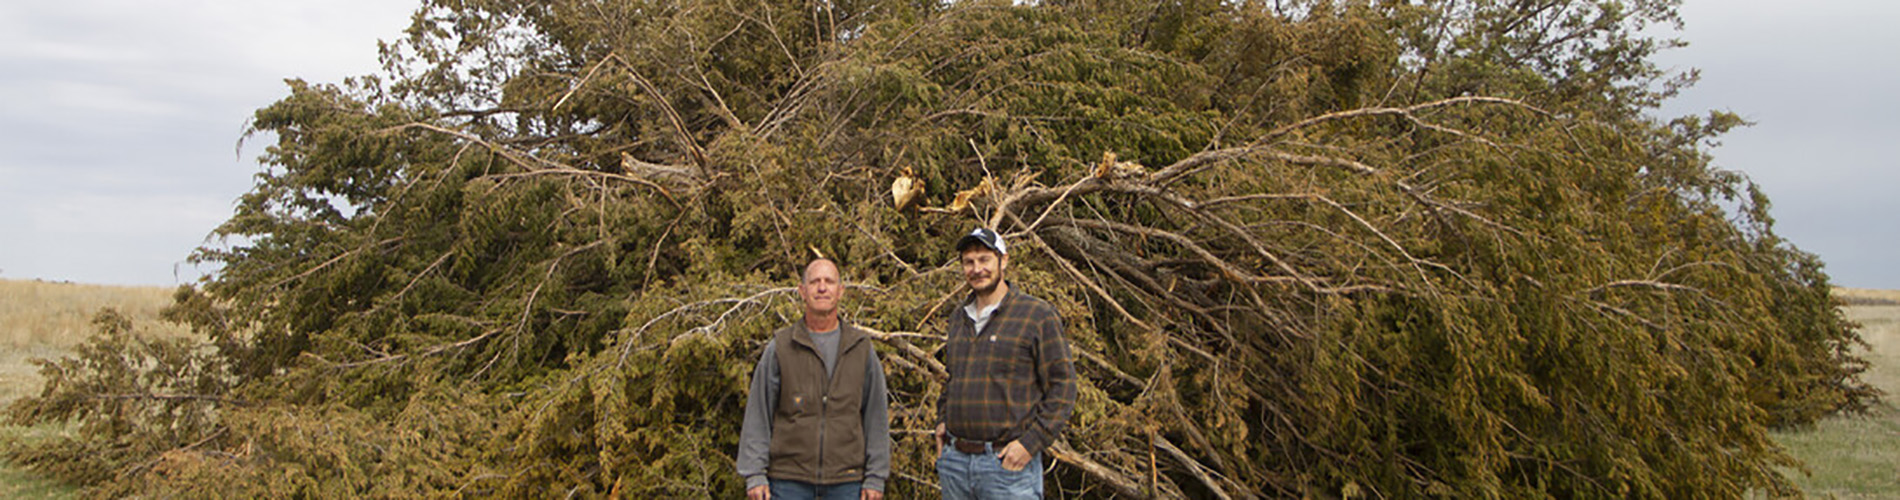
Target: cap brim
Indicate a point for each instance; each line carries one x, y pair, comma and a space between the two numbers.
967, 240
970, 240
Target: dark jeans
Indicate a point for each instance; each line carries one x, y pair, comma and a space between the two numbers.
785, 489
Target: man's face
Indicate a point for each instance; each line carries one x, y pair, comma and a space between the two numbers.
983, 268
821, 289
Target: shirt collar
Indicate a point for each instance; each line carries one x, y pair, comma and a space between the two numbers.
979, 314
969, 303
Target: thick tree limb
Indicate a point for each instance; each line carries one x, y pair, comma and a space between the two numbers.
1406, 112
697, 153
172, 397
1193, 467
1122, 484
535, 165
896, 339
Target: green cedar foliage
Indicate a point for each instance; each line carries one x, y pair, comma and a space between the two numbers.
1352, 249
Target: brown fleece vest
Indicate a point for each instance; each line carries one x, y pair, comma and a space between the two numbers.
818, 428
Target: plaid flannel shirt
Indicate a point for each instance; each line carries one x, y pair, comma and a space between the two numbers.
1013, 380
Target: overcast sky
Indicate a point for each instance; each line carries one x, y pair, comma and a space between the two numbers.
1821, 80
119, 120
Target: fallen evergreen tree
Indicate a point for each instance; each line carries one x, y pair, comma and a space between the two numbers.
1303, 249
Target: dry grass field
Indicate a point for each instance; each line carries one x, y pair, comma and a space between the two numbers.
45, 320
1858, 456
1848, 457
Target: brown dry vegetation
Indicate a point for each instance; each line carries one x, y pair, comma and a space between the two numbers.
40, 319
1865, 296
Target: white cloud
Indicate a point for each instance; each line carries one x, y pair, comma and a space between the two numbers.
93, 97
158, 215
18, 46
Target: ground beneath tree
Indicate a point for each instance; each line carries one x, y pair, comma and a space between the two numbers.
1850, 457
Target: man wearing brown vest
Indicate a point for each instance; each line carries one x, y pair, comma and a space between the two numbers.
817, 420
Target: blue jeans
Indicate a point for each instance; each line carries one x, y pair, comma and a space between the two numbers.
786, 489
981, 476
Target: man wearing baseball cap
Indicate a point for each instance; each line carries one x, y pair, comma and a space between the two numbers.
1012, 381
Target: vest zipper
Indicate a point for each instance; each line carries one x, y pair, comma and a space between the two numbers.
824, 405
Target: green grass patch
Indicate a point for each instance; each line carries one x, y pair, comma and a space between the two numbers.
1849, 457
1858, 456
20, 482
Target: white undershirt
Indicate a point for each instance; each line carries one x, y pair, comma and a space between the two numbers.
981, 315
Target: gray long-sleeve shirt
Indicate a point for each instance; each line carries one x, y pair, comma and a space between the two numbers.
755, 434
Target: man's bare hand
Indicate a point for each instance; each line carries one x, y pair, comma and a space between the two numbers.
870, 495
760, 492
943, 436
1014, 456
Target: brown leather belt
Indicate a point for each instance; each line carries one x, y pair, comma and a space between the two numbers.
971, 446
